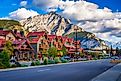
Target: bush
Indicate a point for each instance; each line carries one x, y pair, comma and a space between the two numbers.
45, 61
37, 62
5, 59
57, 60
51, 62
64, 60
18, 64
23, 65
1, 65
95, 58
33, 63
13, 66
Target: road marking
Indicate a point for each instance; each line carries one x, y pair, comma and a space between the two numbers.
43, 70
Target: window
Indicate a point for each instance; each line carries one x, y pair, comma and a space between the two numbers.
33, 37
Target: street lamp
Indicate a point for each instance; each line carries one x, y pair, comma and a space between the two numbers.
76, 29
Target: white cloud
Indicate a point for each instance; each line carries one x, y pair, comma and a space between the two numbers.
105, 29
103, 22
80, 10
46, 4
23, 3
6, 18
22, 13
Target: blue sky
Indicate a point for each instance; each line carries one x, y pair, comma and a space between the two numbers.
8, 6
114, 5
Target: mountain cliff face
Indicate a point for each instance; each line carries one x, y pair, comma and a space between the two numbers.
52, 23
56, 24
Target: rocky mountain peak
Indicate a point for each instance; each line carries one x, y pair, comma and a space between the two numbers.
53, 23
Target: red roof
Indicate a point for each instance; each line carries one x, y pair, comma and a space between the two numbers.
38, 34
69, 46
51, 37
64, 39
4, 32
21, 42
59, 37
2, 41
70, 39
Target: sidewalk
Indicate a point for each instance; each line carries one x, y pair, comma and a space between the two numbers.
113, 74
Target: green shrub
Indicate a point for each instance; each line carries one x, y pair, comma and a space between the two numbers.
45, 61
18, 64
33, 63
51, 62
1, 65
13, 65
5, 59
57, 60
23, 65
37, 62
95, 58
64, 60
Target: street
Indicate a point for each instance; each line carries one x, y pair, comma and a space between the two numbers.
82, 71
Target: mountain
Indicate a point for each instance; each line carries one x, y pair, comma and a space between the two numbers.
118, 44
113, 44
10, 24
56, 24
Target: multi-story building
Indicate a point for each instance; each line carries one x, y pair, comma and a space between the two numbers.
36, 43
41, 42
22, 47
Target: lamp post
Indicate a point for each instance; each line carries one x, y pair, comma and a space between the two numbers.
76, 29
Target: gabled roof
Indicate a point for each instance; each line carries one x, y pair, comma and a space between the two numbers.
19, 43
4, 32
64, 38
37, 34
51, 37
70, 39
69, 46
59, 37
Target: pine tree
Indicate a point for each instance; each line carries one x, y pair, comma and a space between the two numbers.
111, 51
5, 55
117, 51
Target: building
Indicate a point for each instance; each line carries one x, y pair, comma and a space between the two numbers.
22, 47
36, 44
41, 42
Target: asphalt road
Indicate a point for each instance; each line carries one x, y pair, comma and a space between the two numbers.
83, 71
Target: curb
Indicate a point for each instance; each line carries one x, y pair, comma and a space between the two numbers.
21, 68
111, 74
